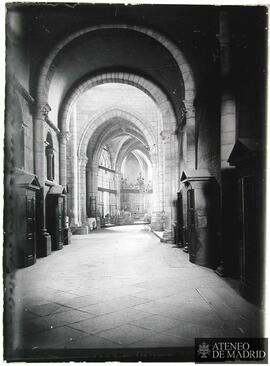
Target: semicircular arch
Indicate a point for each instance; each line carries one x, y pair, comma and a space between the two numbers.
177, 54
165, 108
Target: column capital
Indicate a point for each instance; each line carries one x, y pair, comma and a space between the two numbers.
43, 111
166, 134
183, 112
188, 106
49, 150
63, 136
224, 40
187, 110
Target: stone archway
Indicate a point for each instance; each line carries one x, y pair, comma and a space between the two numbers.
87, 170
187, 104
148, 87
166, 138
107, 135
116, 163
168, 116
184, 67
110, 113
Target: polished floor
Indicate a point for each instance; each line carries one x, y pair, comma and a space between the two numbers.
122, 288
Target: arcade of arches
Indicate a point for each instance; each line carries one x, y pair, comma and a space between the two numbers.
114, 119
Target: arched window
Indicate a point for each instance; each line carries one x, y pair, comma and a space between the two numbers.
49, 157
105, 159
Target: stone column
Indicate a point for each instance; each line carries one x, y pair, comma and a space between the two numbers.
157, 214
166, 139
63, 138
44, 239
82, 161
50, 167
88, 175
190, 148
171, 176
73, 184
91, 183
174, 176
118, 176
228, 113
228, 240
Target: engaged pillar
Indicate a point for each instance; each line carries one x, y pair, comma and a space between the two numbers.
44, 238
73, 183
82, 188
63, 138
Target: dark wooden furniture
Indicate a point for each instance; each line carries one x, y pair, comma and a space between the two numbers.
25, 200
56, 215
179, 225
247, 157
199, 205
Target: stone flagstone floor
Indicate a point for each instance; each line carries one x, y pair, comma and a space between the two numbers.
121, 287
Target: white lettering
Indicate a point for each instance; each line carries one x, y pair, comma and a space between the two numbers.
215, 353
231, 354
245, 354
261, 354
245, 346
221, 355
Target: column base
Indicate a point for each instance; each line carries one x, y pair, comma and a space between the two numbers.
98, 223
67, 236
79, 230
44, 245
168, 237
157, 221
91, 223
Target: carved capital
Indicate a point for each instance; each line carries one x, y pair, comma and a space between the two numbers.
183, 112
44, 110
187, 110
49, 151
166, 135
63, 136
224, 40
189, 106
